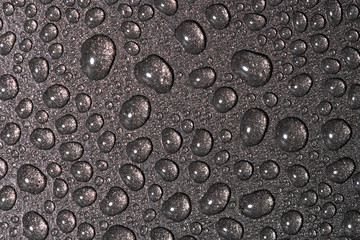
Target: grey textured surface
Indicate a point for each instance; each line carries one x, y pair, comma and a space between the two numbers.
269, 135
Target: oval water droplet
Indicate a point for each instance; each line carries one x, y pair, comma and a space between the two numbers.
253, 126
257, 204
191, 36
135, 112
215, 199
177, 207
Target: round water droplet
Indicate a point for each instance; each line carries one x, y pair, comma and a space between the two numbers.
253, 126
7, 41
35, 226
155, 73
300, 85
191, 36
351, 224
167, 169
97, 56
267, 233
199, 171
139, 150
71, 151
291, 134
298, 175
66, 124
83, 102
257, 204
330, 65
115, 202
130, 30
224, 99
351, 57
177, 207
30, 179
269, 170
202, 143
145, 12
11, 133
215, 199
132, 176
161, 233
308, 198
341, 170
135, 112
86, 231
60, 188
84, 196
336, 133
291, 222
66, 221
94, 17
56, 96
218, 16
243, 170
43, 138
335, 86
254, 68
229, 228
319, 43
49, 32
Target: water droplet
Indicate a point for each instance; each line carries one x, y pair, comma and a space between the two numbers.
83, 102
135, 112
177, 207
161, 233
106, 141
132, 176
7, 41
333, 12
66, 124
130, 30
291, 222
30, 179
254, 21
341, 170
199, 171
191, 36
224, 99
11, 133
71, 151
269, 170
257, 204
56, 96
336, 133
8, 198
300, 21
218, 16
167, 169
253, 126
9, 87
145, 12
171, 140
43, 138
66, 221
115, 202
35, 226
155, 73
330, 65
300, 85
229, 228
202, 77
291, 134
85, 231
351, 57
97, 56
139, 150
84, 196
48, 33
119, 232
168, 7
60, 188
202, 143
215, 199
94, 17
267, 233
254, 68
243, 170
24, 108
351, 224
298, 175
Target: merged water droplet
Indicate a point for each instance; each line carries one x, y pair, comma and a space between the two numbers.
177, 207
255, 68
191, 36
257, 204
97, 56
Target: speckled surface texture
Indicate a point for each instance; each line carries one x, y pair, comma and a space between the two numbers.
179, 119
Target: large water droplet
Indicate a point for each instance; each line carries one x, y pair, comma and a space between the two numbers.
135, 112
191, 36
132, 176
39, 68
35, 226
139, 150
43, 138
341, 170
254, 68
257, 204
9, 87
336, 133
30, 179
8, 198
115, 202
291, 134
202, 143
97, 56
215, 199
291, 222
118, 232
229, 228
7, 41
177, 207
